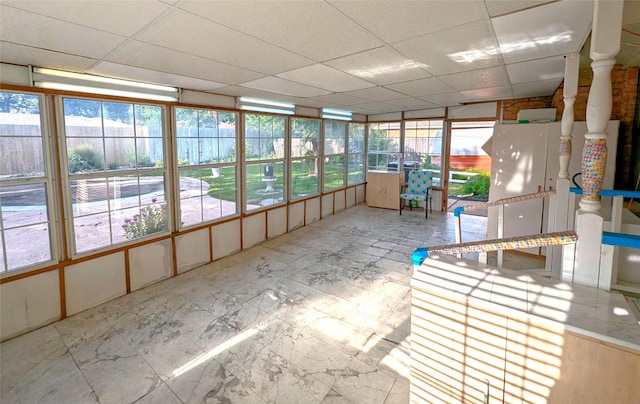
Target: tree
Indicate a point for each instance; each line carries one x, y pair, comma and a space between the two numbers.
309, 130
19, 103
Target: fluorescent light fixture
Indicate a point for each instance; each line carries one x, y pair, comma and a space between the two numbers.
330, 113
266, 109
88, 83
260, 105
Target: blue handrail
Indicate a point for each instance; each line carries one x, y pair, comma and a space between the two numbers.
611, 192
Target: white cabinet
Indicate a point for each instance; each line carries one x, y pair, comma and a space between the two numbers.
525, 160
383, 189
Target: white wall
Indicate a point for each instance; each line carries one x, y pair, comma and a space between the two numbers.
29, 303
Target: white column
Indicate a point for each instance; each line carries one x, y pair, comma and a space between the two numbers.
559, 221
605, 45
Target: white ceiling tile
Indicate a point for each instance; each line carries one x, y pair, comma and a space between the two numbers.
536, 89
340, 99
170, 61
419, 88
482, 78
282, 86
130, 73
25, 28
381, 66
500, 7
239, 91
537, 70
328, 78
446, 99
415, 17
407, 104
310, 28
229, 46
566, 26
195, 84
24, 55
118, 17
376, 94
462, 48
490, 93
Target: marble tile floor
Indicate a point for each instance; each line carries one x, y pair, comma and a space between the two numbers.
319, 315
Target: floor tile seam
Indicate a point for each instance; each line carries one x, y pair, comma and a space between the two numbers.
301, 371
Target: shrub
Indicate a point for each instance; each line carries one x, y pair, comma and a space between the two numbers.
143, 160
152, 219
478, 185
84, 157
113, 166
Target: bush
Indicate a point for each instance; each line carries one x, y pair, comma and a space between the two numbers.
143, 159
152, 219
84, 157
477, 185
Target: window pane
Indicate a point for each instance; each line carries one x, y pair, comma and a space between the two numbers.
334, 137
356, 169
383, 161
222, 196
265, 184
356, 137
118, 119
27, 245
25, 225
22, 156
123, 203
25, 231
304, 177
422, 146
384, 137
206, 141
334, 172
264, 137
305, 137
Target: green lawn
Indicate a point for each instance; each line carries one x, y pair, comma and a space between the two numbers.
302, 183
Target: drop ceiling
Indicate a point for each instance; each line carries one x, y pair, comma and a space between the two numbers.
368, 57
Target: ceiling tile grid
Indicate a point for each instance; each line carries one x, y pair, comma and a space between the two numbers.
368, 57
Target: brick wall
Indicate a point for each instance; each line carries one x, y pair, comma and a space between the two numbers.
624, 82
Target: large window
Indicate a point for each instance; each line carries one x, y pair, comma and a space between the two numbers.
384, 146
423, 146
356, 142
25, 184
207, 164
115, 159
305, 157
335, 135
265, 160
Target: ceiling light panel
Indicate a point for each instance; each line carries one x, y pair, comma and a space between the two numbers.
522, 37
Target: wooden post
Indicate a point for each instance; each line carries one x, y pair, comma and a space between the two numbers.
605, 45
560, 201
